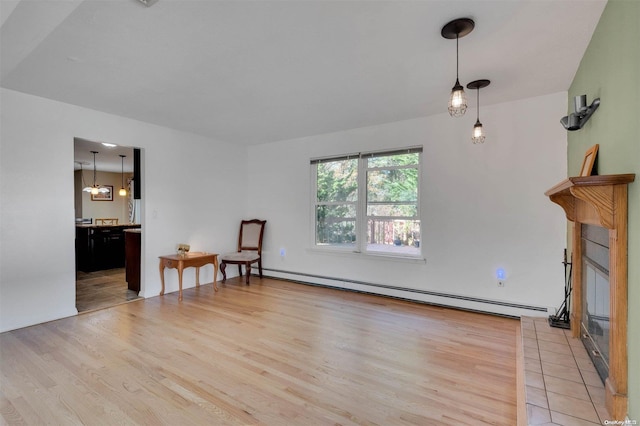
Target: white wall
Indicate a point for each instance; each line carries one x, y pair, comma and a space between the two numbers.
483, 207
183, 201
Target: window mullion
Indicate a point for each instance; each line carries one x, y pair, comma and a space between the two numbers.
403, 167
394, 203
361, 210
340, 203
418, 196
313, 200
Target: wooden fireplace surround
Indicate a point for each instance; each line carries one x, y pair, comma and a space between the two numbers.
602, 201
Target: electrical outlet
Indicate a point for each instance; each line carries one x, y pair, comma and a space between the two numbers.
500, 283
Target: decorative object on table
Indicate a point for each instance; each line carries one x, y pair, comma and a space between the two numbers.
589, 160
183, 249
576, 120
456, 29
249, 249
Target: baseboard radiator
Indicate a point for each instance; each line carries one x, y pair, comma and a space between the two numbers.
469, 303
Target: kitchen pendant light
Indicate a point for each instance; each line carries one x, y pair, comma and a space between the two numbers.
95, 189
478, 132
456, 29
122, 192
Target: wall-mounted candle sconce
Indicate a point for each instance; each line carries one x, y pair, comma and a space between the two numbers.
576, 120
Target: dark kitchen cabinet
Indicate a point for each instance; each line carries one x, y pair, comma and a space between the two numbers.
100, 247
132, 258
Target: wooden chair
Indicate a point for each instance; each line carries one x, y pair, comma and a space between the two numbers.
249, 249
107, 221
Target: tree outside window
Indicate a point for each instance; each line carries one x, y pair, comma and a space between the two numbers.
336, 199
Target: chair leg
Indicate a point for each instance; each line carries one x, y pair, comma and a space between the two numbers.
248, 270
239, 269
223, 267
260, 267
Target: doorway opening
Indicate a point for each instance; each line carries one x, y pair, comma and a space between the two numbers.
108, 224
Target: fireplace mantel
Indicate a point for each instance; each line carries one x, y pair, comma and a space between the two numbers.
590, 199
602, 201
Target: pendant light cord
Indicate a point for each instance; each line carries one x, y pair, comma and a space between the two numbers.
478, 106
457, 58
94, 168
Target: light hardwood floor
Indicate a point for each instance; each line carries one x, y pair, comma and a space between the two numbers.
272, 353
102, 289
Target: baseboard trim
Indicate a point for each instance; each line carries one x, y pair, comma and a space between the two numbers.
470, 303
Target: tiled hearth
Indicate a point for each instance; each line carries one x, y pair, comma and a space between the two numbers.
562, 386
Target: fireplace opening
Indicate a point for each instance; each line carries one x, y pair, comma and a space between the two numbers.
595, 286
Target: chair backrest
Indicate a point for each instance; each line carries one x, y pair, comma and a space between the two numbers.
107, 221
251, 232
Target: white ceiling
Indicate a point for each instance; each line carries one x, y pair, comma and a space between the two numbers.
250, 72
107, 158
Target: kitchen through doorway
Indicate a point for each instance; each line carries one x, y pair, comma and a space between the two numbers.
107, 224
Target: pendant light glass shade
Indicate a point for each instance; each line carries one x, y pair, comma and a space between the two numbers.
123, 191
478, 133
95, 190
457, 101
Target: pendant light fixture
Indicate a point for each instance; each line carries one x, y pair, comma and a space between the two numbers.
478, 132
122, 192
95, 189
456, 29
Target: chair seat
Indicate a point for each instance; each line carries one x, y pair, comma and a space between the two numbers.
240, 257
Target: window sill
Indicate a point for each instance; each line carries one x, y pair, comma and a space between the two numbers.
363, 255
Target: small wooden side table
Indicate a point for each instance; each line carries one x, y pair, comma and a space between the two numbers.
181, 261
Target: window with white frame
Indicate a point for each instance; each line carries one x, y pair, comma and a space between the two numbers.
368, 202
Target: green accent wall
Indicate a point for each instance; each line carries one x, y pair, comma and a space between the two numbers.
610, 70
